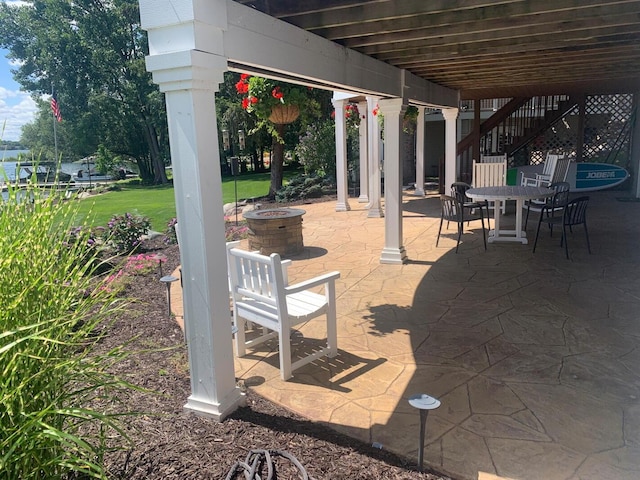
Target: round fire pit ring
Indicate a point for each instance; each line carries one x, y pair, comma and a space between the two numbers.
276, 230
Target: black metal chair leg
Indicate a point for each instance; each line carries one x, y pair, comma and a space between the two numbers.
566, 241
439, 230
535, 242
484, 236
586, 232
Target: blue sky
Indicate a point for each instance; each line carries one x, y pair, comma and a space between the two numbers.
16, 107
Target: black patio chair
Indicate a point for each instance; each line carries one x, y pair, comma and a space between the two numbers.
455, 211
459, 191
573, 213
557, 201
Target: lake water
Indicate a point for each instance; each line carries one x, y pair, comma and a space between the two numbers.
10, 167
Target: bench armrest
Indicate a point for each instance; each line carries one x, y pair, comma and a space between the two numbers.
312, 282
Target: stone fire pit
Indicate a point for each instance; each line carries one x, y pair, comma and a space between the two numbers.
277, 230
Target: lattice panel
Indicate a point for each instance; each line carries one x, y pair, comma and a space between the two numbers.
607, 129
560, 138
606, 132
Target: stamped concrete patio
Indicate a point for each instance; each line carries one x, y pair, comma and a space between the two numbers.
534, 357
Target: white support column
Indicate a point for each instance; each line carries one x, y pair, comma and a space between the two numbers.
450, 158
635, 148
341, 156
363, 137
419, 191
393, 111
189, 81
375, 208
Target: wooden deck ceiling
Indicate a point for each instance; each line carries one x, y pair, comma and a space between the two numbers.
486, 48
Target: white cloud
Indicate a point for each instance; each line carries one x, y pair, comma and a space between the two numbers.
16, 109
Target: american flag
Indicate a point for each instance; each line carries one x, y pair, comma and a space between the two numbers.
55, 108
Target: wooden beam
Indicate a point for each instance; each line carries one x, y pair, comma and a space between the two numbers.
429, 26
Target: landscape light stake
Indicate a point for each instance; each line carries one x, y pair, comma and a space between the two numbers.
424, 403
168, 280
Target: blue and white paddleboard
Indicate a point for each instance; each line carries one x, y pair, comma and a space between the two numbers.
583, 176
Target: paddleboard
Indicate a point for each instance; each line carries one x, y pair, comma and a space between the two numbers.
583, 176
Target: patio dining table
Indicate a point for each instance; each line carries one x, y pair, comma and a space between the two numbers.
508, 192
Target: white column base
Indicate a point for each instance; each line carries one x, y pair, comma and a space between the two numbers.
419, 192
394, 256
342, 207
363, 198
375, 212
217, 412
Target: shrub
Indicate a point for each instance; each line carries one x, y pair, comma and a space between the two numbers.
51, 312
170, 232
302, 187
316, 149
124, 232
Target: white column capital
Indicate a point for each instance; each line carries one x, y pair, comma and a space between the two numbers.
339, 102
187, 70
450, 114
392, 106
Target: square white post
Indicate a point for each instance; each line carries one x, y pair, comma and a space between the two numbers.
341, 156
419, 191
393, 111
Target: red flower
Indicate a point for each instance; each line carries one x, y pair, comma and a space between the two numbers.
245, 103
253, 100
244, 76
242, 87
276, 93
375, 111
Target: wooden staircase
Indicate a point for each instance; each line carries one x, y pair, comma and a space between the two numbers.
513, 126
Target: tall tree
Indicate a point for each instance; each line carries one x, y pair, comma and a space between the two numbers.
92, 52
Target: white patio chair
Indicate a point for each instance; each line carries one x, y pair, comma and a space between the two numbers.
260, 295
547, 176
491, 175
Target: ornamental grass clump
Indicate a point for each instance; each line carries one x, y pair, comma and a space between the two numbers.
51, 317
124, 232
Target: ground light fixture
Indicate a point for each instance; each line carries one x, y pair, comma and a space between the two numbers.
424, 403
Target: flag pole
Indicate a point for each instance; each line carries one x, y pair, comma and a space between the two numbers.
55, 134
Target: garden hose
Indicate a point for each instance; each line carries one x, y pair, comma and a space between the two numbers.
258, 459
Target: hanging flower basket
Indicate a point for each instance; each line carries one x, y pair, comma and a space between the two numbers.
283, 114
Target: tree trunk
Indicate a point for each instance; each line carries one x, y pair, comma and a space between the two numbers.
157, 164
277, 162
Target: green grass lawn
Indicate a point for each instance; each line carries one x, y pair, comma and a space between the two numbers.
158, 202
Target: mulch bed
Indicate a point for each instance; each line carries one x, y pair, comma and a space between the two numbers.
171, 444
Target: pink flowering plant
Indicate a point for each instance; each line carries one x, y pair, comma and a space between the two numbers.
135, 265
234, 232
124, 232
